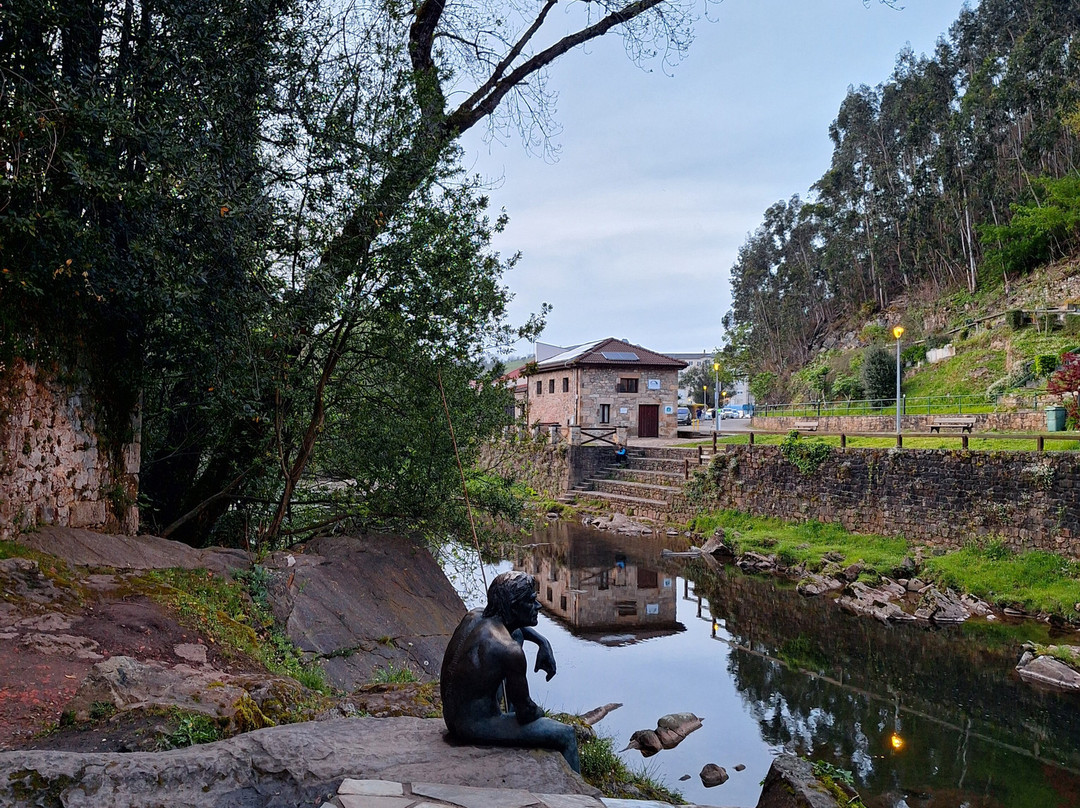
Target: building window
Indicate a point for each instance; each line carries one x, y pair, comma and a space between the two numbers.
539, 388
605, 413
625, 608
626, 386
551, 385
566, 384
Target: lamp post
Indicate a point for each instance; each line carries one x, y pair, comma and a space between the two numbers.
704, 397
898, 331
716, 397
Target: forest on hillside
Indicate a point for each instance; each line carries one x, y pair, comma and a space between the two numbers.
958, 172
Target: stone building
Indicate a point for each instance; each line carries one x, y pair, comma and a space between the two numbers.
606, 383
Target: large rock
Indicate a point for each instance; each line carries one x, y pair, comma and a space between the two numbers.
240, 701
790, 783
89, 549
1049, 672
877, 602
361, 604
278, 767
942, 607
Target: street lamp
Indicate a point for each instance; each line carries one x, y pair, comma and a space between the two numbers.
898, 331
716, 398
704, 397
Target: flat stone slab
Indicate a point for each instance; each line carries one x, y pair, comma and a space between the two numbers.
280, 767
385, 794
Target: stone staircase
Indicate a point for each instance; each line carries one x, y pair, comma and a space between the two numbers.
647, 484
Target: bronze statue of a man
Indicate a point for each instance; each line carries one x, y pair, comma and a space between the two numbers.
484, 655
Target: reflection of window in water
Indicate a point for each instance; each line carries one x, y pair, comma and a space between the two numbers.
562, 602
553, 572
646, 579
549, 596
626, 608
603, 581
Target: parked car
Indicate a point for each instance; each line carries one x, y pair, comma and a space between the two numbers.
683, 416
731, 412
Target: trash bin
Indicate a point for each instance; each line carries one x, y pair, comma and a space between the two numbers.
1055, 419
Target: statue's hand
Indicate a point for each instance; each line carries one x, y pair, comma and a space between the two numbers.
545, 660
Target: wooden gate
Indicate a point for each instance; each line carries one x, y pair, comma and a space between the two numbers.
648, 420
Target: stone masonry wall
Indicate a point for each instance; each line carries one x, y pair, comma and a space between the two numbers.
549, 469
943, 497
53, 469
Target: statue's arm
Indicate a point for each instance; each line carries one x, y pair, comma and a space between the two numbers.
545, 658
517, 686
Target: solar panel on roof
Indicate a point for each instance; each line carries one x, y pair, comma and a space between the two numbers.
620, 356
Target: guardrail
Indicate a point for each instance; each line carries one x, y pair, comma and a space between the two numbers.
1040, 438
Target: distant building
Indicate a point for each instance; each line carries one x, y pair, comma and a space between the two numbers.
738, 393
608, 382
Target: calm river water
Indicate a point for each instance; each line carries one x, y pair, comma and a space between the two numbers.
923, 718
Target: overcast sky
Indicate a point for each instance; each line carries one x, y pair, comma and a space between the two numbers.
632, 232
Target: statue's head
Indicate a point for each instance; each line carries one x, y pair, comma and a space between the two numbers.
508, 596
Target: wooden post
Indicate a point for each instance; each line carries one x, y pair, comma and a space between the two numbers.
843, 441
686, 469
1040, 443
963, 440
699, 454
751, 438
899, 441
714, 442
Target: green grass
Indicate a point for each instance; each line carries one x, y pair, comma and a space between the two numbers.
1035, 581
804, 542
602, 768
392, 674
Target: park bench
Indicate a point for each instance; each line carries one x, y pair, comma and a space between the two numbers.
961, 422
805, 426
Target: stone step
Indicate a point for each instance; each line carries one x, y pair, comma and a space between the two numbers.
636, 489
657, 504
647, 476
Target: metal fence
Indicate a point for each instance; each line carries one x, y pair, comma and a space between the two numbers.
909, 405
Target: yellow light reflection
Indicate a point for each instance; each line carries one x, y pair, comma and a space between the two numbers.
896, 741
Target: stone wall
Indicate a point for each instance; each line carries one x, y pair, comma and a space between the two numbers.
549, 469
943, 497
984, 421
54, 468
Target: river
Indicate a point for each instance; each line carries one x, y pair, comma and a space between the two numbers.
923, 718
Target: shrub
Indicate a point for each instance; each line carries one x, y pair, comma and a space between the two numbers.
936, 341
878, 374
1072, 324
873, 333
1016, 319
848, 387
1045, 364
913, 354
806, 456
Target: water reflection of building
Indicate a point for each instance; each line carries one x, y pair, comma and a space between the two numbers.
604, 591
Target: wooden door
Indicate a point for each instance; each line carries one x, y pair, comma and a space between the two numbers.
648, 420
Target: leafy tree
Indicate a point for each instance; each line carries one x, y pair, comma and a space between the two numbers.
848, 387
762, 385
878, 374
1065, 382
959, 171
